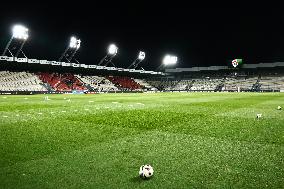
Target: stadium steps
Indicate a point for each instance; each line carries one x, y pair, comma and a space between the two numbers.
256, 86
190, 85
47, 86
220, 86
89, 88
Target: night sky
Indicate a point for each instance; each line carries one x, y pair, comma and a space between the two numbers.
198, 35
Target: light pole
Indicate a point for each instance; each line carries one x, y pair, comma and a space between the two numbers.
19, 33
168, 60
138, 60
112, 51
71, 49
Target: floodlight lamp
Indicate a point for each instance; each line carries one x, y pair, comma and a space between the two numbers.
169, 60
73, 42
112, 49
20, 32
78, 43
174, 59
141, 55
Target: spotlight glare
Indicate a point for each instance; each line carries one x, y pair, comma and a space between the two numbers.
75, 43
169, 60
112, 49
141, 55
20, 32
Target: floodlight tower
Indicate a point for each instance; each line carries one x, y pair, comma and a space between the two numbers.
168, 60
139, 59
71, 50
17, 41
112, 51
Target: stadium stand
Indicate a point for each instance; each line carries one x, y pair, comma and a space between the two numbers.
163, 83
97, 83
183, 85
145, 85
20, 81
206, 84
68, 82
271, 83
187, 84
239, 83
62, 82
125, 83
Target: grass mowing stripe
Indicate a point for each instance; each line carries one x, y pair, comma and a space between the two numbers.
193, 161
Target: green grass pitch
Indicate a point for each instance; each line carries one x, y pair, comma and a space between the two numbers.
193, 140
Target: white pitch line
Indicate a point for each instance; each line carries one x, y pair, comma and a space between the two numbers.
140, 103
5, 116
4, 97
115, 102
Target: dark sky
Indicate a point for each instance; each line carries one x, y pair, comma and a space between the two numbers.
199, 35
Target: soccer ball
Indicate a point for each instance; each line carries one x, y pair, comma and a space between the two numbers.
258, 116
279, 108
146, 171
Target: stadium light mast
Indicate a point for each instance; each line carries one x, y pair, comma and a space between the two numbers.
137, 61
168, 60
20, 34
71, 49
111, 53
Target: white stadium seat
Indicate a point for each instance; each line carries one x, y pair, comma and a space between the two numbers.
20, 81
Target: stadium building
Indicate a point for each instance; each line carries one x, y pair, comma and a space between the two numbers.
32, 76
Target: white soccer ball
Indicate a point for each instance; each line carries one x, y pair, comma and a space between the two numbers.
279, 108
258, 116
146, 171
